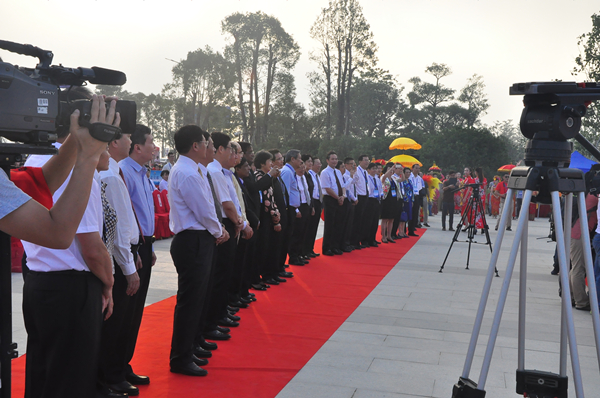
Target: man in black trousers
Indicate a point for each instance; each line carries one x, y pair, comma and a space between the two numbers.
197, 229
313, 167
331, 181
362, 193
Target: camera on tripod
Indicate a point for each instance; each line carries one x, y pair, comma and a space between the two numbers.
30, 107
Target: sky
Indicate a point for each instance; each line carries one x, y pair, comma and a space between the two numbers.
505, 41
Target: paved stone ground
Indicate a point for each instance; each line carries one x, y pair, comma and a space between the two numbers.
409, 337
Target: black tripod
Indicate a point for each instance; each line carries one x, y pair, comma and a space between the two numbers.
469, 217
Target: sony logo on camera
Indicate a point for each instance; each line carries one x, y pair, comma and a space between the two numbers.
47, 92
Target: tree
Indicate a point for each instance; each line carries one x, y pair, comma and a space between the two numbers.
430, 97
588, 64
513, 139
376, 105
473, 96
347, 47
203, 80
260, 50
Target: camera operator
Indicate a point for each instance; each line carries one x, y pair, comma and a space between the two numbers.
67, 291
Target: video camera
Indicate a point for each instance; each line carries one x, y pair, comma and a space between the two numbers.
31, 110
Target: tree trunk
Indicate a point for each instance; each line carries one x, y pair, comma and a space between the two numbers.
238, 64
271, 67
328, 79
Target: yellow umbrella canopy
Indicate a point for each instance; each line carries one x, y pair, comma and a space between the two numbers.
404, 143
405, 160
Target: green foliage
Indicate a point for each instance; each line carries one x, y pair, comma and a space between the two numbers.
459, 147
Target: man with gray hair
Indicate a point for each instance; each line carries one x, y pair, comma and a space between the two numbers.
293, 160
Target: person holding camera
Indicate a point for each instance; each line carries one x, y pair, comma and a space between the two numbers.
67, 291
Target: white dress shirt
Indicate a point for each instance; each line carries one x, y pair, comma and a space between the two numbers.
42, 259
360, 180
350, 186
302, 188
417, 182
328, 180
316, 193
220, 183
191, 200
127, 232
164, 184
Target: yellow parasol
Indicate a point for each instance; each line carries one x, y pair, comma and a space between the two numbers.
404, 143
405, 160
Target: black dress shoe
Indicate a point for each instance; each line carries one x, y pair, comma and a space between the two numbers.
586, 308
315, 254
280, 280
258, 286
200, 352
377, 242
208, 345
233, 317
233, 309
272, 281
265, 285
297, 261
362, 246
102, 391
338, 252
312, 255
223, 329
328, 253
249, 298
244, 300
190, 369
199, 361
284, 274
239, 304
427, 225
227, 322
346, 249
216, 335
359, 247
124, 387
306, 259
137, 380
412, 234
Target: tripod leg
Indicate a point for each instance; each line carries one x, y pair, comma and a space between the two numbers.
567, 216
522, 296
566, 296
505, 284
589, 270
454, 239
486, 292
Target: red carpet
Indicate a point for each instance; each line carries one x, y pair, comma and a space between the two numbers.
278, 334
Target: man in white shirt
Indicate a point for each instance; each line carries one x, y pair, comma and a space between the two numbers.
64, 297
331, 181
197, 229
352, 197
301, 223
362, 196
418, 184
371, 215
170, 162
115, 331
234, 224
313, 168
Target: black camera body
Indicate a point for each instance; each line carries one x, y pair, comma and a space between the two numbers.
31, 109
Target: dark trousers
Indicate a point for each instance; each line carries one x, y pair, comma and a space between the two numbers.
240, 268
63, 316
358, 231
115, 332
145, 253
374, 207
313, 227
371, 220
299, 232
192, 253
447, 208
222, 276
348, 222
412, 224
287, 229
332, 235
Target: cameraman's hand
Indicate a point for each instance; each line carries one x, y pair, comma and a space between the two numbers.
89, 147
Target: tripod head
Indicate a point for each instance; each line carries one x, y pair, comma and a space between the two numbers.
552, 115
